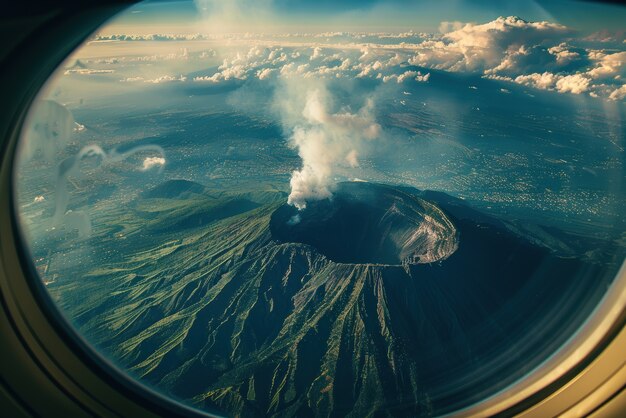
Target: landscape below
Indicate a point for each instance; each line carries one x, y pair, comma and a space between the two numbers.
384, 300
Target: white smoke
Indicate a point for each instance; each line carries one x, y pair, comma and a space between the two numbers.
327, 142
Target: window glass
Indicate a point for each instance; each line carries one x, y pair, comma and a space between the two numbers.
319, 209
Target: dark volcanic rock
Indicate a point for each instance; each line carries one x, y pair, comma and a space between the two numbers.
258, 315
368, 223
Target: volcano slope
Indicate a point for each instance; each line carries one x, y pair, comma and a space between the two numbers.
383, 301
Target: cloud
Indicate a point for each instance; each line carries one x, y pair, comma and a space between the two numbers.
481, 47
575, 84
148, 37
530, 58
543, 55
416, 75
317, 53
265, 73
605, 36
131, 79
564, 55
313, 61
150, 162
407, 75
535, 54
241, 65
602, 79
86, 71
166, 79
543, 81
608, 65
421, 77
619, 93
239, 72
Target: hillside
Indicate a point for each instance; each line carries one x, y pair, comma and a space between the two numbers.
376, 303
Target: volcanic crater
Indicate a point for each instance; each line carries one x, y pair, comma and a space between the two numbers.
368, 223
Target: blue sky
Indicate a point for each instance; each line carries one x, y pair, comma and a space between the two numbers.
424, 15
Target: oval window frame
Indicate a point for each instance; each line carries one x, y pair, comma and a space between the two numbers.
584, 375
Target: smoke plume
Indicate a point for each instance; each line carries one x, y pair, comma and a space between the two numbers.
326, 142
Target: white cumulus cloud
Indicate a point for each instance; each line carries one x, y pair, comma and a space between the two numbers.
150, 162
166, 79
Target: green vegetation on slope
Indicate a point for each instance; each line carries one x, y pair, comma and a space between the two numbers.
204, 303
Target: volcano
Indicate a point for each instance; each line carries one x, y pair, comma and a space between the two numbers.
365, 223
382, 301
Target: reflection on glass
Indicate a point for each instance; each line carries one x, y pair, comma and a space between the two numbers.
291, 210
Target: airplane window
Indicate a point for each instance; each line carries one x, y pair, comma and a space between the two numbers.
319, 209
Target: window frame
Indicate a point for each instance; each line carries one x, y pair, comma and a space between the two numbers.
39, 345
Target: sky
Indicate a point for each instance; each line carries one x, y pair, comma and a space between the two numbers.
513, 42
303, 59
367, 15
302, 50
